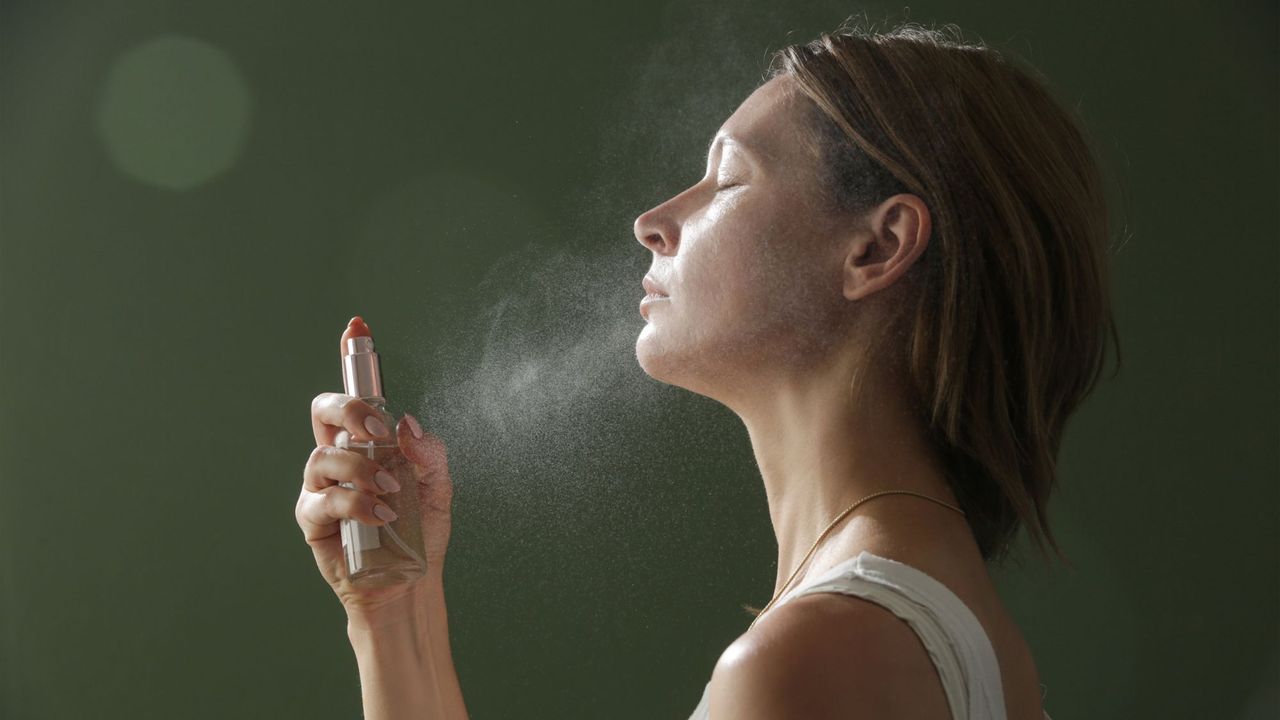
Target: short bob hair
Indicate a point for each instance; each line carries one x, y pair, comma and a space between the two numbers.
1007, 333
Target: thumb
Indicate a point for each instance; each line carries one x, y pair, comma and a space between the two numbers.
435, 489
425, 450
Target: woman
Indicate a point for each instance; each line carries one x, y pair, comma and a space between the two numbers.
894, 272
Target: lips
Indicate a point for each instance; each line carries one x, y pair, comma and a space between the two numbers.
655, 294
649, 300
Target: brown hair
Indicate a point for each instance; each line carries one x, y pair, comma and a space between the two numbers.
1007, 333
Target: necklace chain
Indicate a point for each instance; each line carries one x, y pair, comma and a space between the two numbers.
823, 534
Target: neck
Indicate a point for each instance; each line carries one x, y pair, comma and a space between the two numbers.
818, 454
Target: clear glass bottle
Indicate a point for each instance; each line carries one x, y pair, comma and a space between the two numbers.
393, 553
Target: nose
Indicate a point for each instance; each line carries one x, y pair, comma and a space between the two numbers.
656, 230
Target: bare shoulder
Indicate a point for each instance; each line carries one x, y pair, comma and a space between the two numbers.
827, 656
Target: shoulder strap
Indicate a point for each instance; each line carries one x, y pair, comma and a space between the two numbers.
957, 644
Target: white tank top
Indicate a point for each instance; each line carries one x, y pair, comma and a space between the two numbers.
957, 644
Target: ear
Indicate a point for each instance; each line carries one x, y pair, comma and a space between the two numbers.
895, 234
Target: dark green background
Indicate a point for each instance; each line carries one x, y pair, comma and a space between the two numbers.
175, 278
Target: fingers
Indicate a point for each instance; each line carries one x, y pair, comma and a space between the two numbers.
324, 502
333, 412
318, 514
329, 466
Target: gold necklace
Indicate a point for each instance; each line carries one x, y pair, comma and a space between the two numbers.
823, 534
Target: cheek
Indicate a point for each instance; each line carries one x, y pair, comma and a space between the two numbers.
718, 277
743, 275
773, 294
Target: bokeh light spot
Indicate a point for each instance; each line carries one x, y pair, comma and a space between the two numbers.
173, 112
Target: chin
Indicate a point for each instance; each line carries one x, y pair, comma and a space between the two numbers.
654, 359
679, 365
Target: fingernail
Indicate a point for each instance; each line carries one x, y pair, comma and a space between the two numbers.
413, 426
375, 426
385, 512
386, 481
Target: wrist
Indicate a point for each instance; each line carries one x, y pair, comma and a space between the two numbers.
409, 610
435, 572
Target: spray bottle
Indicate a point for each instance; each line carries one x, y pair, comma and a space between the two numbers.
393, 553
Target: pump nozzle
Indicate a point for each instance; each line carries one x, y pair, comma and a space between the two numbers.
361, 372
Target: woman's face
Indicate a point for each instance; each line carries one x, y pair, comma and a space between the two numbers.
745, 256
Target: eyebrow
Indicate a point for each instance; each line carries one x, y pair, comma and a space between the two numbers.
726, 139
723, 138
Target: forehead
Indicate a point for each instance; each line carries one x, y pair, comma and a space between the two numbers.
767, 120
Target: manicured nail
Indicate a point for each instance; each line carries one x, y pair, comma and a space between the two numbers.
385, 512
413, 426
386, 481
375, 426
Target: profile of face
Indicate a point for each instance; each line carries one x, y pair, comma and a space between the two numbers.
752, 264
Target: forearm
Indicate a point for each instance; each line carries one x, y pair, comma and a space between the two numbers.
406, 666
446, 674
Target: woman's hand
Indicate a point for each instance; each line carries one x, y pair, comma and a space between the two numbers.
322, 503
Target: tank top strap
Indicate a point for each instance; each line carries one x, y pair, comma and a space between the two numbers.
952, 634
